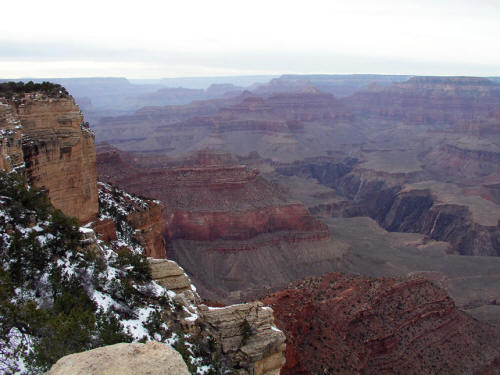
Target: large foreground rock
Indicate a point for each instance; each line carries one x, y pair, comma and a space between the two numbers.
152, 358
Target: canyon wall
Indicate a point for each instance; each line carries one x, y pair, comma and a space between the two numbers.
428, 100
218, 214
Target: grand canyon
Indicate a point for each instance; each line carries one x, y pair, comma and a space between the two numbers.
363, 209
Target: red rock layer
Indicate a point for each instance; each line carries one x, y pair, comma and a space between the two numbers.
207, 226
208, 196
339, 324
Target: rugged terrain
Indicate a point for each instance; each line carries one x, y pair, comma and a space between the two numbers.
344, 159
76, 283
352, 324
219, 214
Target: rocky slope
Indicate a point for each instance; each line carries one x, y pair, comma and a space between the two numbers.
57, 150
352, 324
105, 272
442, 211
123, 216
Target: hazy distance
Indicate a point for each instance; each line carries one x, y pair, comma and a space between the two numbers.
151, 39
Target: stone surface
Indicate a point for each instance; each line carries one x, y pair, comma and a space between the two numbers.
152, 358
246, 334
168, 274
58, 151
353, 324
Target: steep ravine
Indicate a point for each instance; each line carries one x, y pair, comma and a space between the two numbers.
383, 197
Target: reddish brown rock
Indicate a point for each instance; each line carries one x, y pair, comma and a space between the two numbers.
208, 196
105, 230
149, 224
219, 214
207, 226
353, 324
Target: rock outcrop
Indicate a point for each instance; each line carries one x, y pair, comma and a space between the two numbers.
169, 275
57, 149
211, 197
247, 336
353, 324
123, 359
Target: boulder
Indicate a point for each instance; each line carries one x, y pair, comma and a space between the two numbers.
152, 358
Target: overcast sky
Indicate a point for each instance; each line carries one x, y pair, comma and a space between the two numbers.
152, 39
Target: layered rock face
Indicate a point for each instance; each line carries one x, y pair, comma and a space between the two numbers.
429, 100
352, 324
243, 336
465, 162
240, 124
47, 136
215, 207
306, 105
442, 211
169, 275
247, 336
58, 152
123, 359
134, 128
211, 197
340, 85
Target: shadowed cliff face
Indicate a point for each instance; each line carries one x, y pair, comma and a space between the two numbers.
57, 150
441, 211
352, 324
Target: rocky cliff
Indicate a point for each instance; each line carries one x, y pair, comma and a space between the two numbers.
352, 324
240, 337
57, 149
247, 336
